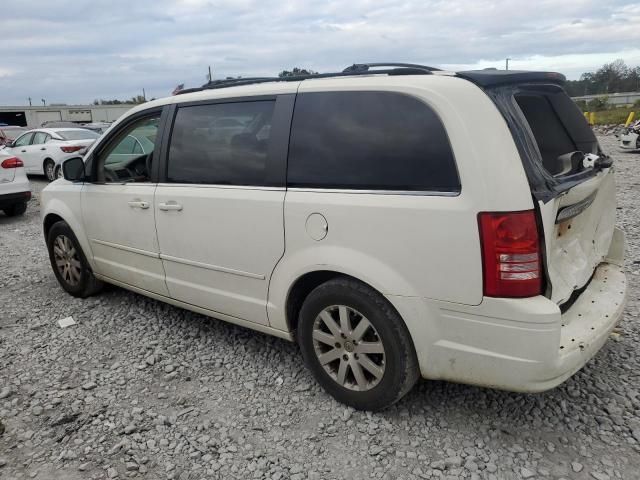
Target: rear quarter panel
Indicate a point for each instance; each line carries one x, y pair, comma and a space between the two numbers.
423, 246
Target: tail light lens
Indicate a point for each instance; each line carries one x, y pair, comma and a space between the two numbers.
71, 149
510, 254
11, 162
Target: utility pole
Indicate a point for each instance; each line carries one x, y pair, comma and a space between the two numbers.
43, 102
144, 95
210, 76
506, 63
29, 101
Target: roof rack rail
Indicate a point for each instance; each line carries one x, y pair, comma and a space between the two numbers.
355, 69
364, 67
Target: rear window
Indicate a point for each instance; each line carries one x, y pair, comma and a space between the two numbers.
369, 141
558, 126
78, 135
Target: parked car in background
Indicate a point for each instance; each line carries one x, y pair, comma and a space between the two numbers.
365, 216
98, 127
59, 124
14, 185
42, 150
630, 138
9, 133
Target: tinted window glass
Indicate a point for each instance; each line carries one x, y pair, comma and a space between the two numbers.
369, 140
225, 144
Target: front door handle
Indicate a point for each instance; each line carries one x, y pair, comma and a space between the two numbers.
23, 151
43, 148
139, 204
170, 206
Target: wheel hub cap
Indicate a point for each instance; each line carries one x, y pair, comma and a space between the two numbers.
349, 348
67, 260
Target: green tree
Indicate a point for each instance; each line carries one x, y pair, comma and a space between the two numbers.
296, 72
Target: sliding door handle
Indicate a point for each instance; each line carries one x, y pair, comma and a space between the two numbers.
170, 206
139, 204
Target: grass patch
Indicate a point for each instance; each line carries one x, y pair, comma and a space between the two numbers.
615, 115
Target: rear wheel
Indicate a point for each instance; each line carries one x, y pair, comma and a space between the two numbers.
58, 172
15, 209
69, 264
49, 169
356, 345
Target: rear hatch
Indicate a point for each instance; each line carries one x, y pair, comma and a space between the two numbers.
571, 179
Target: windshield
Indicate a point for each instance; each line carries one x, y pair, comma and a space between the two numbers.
13, 133
78, 135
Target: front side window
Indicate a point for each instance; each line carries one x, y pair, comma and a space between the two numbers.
369, 141
129, 156
223, 144
24, 140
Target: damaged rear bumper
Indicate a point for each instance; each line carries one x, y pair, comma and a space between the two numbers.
524, 345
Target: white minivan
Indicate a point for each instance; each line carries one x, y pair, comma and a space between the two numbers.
394, 220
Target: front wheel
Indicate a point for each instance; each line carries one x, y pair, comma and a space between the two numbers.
69, 264
356, 345
49, 169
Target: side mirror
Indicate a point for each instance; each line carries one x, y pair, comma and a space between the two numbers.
73, 169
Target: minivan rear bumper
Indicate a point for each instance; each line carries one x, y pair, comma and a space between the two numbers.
524, 345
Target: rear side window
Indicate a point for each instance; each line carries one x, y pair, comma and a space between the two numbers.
369, 141
223, 144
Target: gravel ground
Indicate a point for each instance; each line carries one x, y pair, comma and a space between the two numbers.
142, 389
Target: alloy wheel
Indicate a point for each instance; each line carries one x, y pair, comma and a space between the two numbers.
49, 167
349, 348
67, 260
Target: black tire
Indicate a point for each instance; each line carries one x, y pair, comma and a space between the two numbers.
400, 362
15, 209
49, 167
58, 172
84, 286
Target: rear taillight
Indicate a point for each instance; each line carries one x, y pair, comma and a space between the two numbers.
11, 162
71, 149
510, 254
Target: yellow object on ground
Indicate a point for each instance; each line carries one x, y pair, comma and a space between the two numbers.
592, 118
630, 119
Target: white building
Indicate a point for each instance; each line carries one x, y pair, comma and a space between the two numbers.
34, 116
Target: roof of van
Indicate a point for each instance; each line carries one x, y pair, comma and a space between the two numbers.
278, 85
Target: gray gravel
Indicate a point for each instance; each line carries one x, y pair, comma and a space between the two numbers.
142, 389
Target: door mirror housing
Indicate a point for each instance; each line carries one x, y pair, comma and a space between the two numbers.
73, 169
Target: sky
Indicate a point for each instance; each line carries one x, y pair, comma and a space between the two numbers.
75, 51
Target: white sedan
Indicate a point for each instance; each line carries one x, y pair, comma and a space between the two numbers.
44, 149
14, 185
